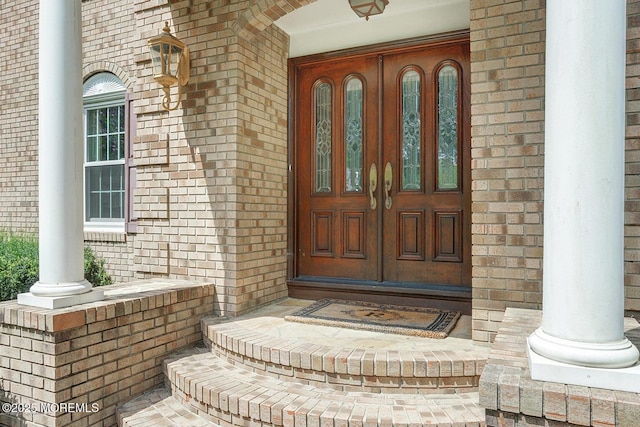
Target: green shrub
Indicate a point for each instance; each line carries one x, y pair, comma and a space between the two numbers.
19, 265
94, 270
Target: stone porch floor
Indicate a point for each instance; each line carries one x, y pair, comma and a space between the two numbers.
269, 321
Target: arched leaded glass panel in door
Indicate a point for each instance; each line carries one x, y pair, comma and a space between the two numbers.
448, 122
322, 146
353, 135
411, 131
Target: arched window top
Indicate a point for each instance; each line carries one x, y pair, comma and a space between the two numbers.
102, 84
353, 82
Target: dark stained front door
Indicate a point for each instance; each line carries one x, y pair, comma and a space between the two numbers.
337, 224
382, 167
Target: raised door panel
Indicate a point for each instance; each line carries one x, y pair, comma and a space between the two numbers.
322, 231
354, 235
448, 236
411, 236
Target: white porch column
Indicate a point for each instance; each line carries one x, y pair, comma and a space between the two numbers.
583, 295
61, 151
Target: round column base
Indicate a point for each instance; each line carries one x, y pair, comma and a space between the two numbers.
60, 289
617, 354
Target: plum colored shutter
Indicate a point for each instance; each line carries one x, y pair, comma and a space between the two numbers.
129, 166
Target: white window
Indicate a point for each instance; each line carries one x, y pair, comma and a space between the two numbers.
105, 139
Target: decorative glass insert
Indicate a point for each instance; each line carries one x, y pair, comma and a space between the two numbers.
448, 128
353, 135
323, 138
411, 134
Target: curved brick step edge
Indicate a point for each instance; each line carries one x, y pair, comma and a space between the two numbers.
230, 394
159, 409
367, 369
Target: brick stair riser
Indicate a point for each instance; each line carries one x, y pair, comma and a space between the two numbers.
235, 397
288, 411
367, 370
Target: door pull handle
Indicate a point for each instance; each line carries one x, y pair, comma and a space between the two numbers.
373, 184
388, 179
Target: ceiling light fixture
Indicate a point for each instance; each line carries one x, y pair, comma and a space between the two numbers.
366, 8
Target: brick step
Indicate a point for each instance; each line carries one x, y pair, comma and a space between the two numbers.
370, 369
159, 409
232, 395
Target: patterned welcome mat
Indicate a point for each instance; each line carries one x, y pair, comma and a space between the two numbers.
395, 319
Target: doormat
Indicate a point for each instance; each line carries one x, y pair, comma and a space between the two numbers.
394, 319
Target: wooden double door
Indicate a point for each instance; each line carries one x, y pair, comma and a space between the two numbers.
382, 167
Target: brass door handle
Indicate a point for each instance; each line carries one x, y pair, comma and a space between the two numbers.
373, 184
388, 179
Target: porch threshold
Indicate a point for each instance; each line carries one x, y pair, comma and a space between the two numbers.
449, 297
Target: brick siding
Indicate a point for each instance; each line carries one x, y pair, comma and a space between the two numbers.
115, 250
507, 101
102, 353
18, 118
212, 175
507, 56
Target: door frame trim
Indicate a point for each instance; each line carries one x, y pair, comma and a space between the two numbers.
388, 47
300, 288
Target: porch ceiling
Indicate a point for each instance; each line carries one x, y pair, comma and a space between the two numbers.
328, 25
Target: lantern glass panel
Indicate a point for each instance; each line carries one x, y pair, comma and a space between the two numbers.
174, 59
156, 58
365, 8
